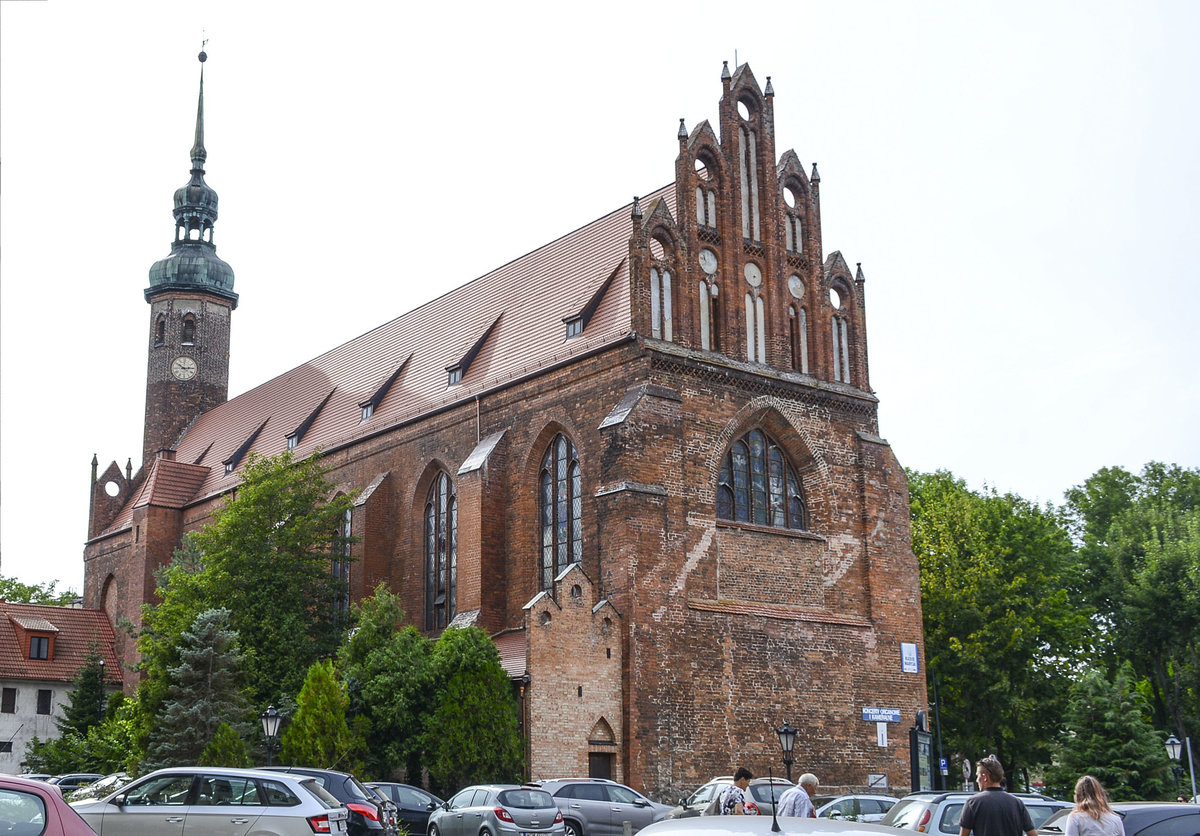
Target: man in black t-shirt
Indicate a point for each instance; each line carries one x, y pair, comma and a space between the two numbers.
992, 811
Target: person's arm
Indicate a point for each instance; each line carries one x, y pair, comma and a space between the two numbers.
964, 831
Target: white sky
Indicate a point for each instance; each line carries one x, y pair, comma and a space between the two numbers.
1018, 179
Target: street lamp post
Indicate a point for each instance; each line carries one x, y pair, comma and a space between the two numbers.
1173, 750
787, 740
270, 725
100, 702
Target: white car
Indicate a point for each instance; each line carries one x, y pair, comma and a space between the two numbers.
762, 826
204, 801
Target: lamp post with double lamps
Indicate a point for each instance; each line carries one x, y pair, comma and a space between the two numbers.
787, 740
270, 725
1173, 749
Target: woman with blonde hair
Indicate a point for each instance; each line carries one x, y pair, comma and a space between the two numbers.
1093, 815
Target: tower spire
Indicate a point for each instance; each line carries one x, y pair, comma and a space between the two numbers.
199, 155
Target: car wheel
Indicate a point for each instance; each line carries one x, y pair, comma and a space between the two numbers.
433, 831
572, 828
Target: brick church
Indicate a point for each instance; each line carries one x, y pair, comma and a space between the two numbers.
644, 457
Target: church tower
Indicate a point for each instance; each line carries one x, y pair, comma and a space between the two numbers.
191, 301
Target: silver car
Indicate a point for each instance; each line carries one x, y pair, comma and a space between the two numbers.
869, 808
497, 810
203, 801
600, 807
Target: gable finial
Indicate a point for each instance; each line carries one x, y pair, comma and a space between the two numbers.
725, 74
682, 135
770, 91
816, 178
637, 209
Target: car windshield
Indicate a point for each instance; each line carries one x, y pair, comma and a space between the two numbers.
526, 799
1056, 822
358, 790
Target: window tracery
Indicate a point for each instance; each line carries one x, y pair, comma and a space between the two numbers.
560, 509
441, 553
757, 484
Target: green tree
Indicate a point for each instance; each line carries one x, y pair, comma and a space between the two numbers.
389, 680
1109, 735
204, 693
13, 590
86, 699
1001, 631
1140, 549
227, 748
319, 734
266, 556
471, 736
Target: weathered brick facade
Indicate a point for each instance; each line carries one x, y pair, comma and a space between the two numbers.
683, 635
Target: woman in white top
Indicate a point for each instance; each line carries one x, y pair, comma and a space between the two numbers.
1092, 815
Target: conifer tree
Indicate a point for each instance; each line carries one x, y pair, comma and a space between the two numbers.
1108, 735
319, 734
86, 700
471, 735
227, 748
204, 693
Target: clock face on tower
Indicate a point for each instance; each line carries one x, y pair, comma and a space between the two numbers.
184, 368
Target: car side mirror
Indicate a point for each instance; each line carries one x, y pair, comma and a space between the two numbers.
641, 802
431, 807
119, 800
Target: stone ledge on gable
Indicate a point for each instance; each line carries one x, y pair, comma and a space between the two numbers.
777, 611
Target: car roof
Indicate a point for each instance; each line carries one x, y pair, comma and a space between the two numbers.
760, 826
303, 770
21, 781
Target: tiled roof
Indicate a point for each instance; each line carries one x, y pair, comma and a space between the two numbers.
170, 484
512, 653
77, 629
526, 300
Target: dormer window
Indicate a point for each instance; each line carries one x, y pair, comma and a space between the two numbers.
229, 466
574, 326
39, 647
291, 442
454, 376
367, 411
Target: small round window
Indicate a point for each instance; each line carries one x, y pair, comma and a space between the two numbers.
796, 286
835, 298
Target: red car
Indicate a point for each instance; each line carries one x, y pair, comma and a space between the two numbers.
35, 808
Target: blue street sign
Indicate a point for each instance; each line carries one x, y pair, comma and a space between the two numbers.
881, 715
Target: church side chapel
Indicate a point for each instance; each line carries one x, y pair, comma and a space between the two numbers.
645, 458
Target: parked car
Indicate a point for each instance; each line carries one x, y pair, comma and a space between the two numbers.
762, 826
216, 802
34, 808
600, 807
73, 780
761, 796
938, 812
368, 816
413, 805
498, 810
389, 808
99, 788
1140, 818
868, 808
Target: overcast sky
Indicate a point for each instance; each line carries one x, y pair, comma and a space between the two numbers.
1019, 181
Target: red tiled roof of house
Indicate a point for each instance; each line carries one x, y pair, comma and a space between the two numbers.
74, 631
526, 300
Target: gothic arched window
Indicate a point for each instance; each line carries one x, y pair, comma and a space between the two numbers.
839, 328
160, 330
189, 330
559, 491
758, 485
441, 553
341, 565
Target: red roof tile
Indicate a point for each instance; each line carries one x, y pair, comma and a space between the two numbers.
77, 630
530, 296
512, 653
